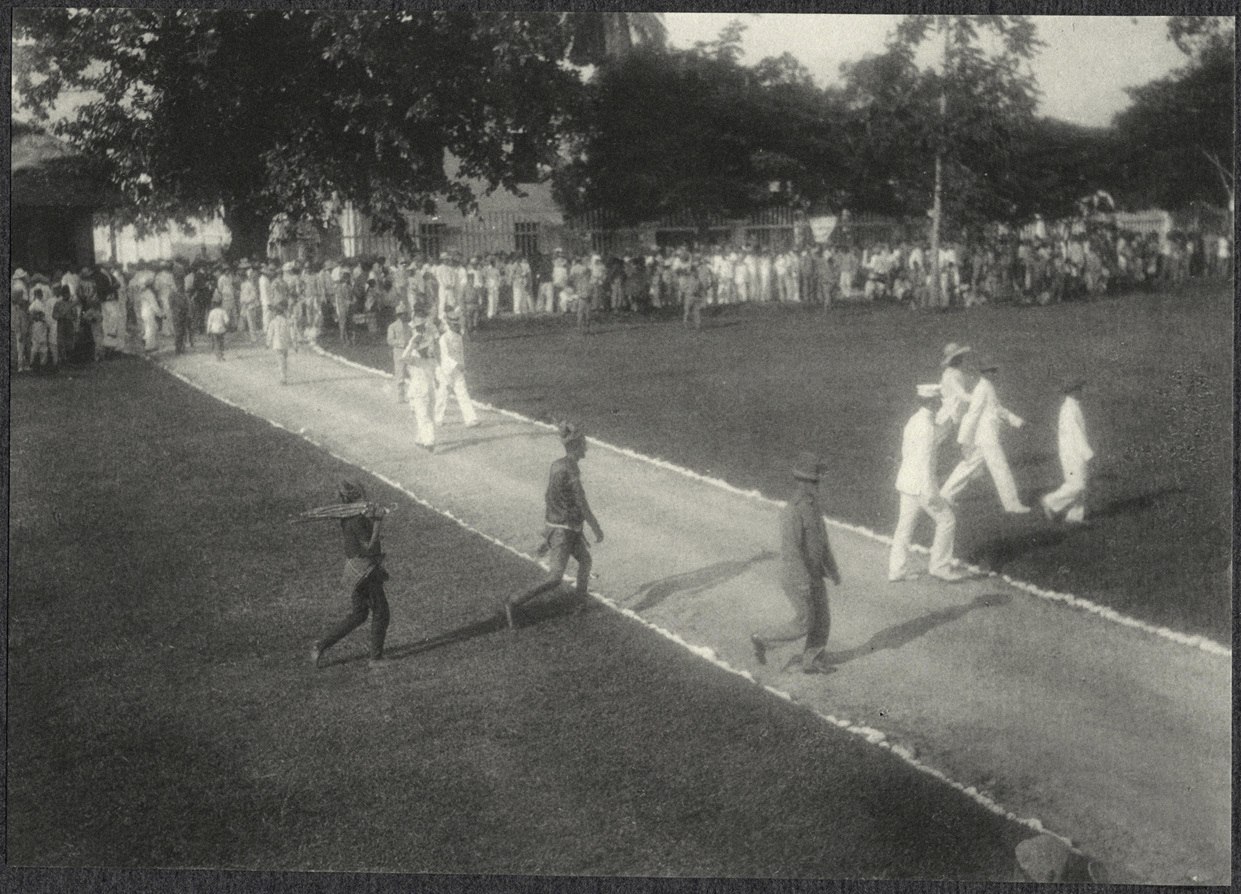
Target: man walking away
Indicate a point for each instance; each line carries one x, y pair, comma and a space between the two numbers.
806, 559
915, 483
566, 511
1075, 456
420, 364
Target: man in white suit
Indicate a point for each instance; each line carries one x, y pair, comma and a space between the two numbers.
915, 482
953, 390
1075, 454
979, 435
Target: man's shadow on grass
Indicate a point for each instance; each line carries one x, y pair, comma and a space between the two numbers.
485, 627
653, 593
902, 634
1129, 505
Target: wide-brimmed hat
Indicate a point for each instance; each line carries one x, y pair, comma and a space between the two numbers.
1071, 384
953, 350
929, 390
808, 467
19, 273
986, 364
1043, 859
350, 491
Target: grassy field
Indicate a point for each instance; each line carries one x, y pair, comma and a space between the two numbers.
162, 711
741, 398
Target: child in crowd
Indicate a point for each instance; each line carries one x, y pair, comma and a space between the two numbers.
40, 345
280, 338
217, 325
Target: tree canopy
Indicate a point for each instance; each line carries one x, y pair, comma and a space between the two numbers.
1175, 141
268, 111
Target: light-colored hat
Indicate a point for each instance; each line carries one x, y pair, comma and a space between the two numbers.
288, 267
951, 350
808, 467
19, 273
930, 390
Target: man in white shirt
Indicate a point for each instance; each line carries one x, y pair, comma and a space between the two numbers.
915, 482
980, 436
452, 374
953, 389
1075, 455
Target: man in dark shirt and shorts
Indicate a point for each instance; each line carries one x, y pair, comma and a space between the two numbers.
567, 511
363, 577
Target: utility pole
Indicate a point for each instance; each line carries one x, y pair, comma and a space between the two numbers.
935, 298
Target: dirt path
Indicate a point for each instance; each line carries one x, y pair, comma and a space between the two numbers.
1114, 737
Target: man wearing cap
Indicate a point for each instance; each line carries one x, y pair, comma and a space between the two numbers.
1075, 455
979, 435
363, 577
566, 511
805, 560
419, 356
952, 384
399, 334
915, 483
452, 374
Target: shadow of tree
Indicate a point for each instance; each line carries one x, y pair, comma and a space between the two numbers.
902, 634
653, 593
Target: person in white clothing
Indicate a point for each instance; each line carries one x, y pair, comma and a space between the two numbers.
420, 368
956, 396
915, 482
979, 435
1075, 456
452, 374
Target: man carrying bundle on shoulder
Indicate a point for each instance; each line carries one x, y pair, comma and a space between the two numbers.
363, 577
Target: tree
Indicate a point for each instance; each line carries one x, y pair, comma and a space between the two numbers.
257, 113
600, 37
695, 133
1176, 138
984, 99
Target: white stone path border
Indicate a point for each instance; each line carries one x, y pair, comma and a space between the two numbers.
871, 735
1195, 641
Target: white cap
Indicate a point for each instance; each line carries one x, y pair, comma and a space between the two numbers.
288, 267
931, 390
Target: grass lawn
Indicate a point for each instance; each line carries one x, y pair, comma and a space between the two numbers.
759, 384
162, 711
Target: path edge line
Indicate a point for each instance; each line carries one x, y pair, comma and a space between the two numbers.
1192, 640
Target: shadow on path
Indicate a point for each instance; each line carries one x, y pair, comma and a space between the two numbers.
652, 594
995, 554
450, 446
906, 632
1140, 503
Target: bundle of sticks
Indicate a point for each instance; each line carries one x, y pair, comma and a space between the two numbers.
342, 510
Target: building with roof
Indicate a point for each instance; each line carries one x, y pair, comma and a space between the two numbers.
54, 198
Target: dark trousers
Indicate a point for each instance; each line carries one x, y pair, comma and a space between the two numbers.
812, 618
562, 546
368, 598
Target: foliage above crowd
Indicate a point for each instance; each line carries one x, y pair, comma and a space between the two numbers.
268, 112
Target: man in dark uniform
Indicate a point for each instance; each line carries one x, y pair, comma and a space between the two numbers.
806, 559
567, 511
363, 577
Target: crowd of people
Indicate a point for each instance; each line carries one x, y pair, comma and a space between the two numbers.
90, 312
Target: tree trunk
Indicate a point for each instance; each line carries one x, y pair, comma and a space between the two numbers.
937, 209
249, 229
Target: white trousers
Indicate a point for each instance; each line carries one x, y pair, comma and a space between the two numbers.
941, 546
1070, 497
992, 456
456, 381
420, 397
